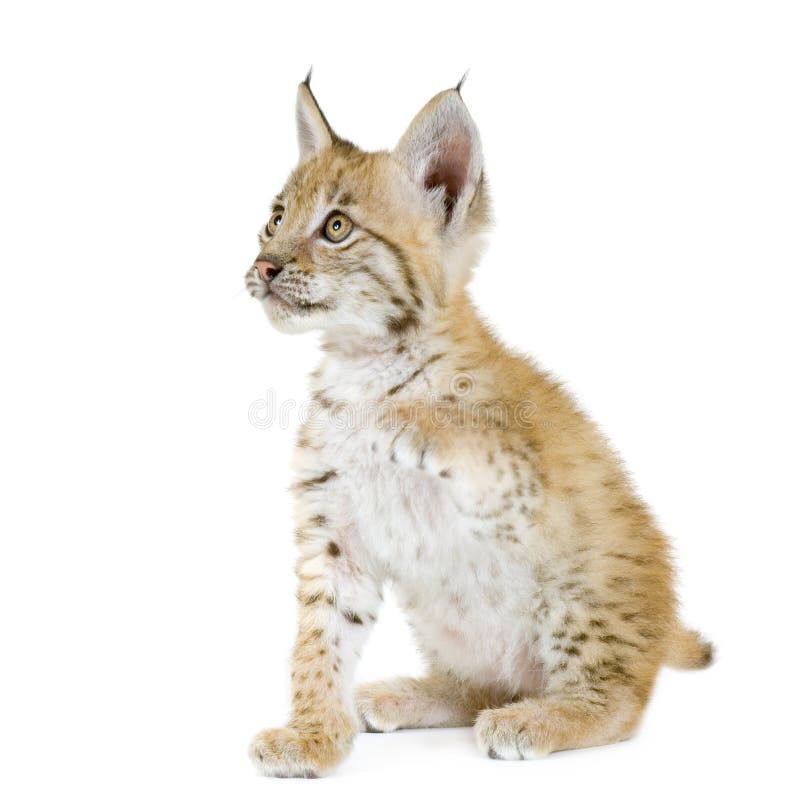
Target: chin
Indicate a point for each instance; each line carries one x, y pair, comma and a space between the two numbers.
287, 320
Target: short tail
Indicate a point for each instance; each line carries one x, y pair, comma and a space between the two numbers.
688, 650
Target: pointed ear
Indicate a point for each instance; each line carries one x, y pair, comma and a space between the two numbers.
313, 131
442, 151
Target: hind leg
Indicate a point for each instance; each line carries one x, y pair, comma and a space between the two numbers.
535, 727
438, 700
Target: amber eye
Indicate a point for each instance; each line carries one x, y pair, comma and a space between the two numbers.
338, 227
274, 221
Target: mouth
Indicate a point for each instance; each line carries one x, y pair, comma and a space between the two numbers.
280, 302
275, 300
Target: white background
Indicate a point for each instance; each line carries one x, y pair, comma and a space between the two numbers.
644, 163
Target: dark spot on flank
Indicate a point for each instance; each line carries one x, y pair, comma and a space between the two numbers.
403, 323
611, 639
397, 387
312, 599
333, 549
320, 398
445, 473
311, 483
639, 561
352, 617
320, 520
580, 637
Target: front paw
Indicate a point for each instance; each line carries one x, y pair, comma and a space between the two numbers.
256, 286
409, 447
507, 734
296, 753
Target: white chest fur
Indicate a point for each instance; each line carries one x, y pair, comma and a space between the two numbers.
469, 593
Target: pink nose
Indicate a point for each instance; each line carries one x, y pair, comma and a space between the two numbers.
267, 270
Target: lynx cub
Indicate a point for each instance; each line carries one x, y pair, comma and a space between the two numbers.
537, 583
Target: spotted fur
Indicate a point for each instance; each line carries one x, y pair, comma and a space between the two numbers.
537, 583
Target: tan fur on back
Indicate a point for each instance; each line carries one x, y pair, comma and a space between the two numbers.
537, 582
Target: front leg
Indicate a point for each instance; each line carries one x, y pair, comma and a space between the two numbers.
338, 600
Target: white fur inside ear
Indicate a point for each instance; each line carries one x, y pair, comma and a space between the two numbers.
313, 131
442, 151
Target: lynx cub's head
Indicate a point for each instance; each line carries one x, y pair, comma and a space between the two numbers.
373, 244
